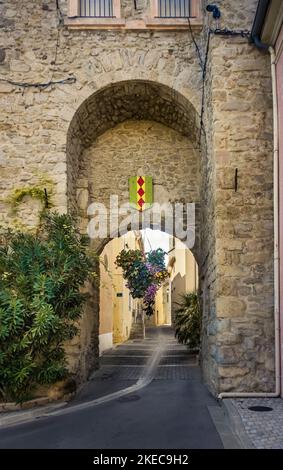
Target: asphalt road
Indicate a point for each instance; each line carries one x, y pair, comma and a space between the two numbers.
171, 412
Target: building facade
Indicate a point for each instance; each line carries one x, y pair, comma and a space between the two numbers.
183, 279
118, 310
86, 102
183, 273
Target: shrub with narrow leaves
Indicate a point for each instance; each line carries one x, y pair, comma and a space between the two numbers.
40, 301
188, 321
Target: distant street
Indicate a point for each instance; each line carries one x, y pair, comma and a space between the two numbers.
170, 412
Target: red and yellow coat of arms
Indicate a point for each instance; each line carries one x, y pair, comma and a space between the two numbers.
141, 194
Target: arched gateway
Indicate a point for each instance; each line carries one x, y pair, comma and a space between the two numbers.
85, 106
141, 127
128, 128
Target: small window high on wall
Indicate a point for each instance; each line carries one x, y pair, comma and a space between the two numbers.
96, 8
157, 14
174, 8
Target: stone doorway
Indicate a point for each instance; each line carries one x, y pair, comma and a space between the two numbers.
128, 128
121, 316
144, 127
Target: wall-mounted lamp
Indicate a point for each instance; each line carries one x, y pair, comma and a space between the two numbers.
214, 10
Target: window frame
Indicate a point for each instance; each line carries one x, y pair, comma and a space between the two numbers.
182, 23
151, 22
75, 21
74, 10
194, 7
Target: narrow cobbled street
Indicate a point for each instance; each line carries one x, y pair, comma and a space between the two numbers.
159, 401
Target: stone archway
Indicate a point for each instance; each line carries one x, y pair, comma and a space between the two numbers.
129, 100
143, 127
156, 115
120, 314
124, 129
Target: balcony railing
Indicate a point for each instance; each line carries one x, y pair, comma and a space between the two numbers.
174, 9
96, 8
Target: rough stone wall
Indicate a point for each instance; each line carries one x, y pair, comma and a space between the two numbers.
207, 262
83, 350
128, 9
239, 326
135, 99
36, 124
149, 147
244, 227
43, 135
35, 121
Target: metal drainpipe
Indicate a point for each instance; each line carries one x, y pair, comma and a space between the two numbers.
277, 391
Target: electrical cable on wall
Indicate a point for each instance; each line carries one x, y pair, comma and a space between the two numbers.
64, 81
195, 44
59, 12
231, 32
202, 128
203, 65
203, 62
60, 23
50, 82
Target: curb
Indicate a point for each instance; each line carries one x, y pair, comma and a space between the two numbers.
18, 417
236, 423
13, 406
60, 409
141, 383
229, 439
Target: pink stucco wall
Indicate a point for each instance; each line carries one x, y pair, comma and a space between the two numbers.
279, 71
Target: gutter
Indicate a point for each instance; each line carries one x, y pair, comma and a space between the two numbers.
256, 31
260, 15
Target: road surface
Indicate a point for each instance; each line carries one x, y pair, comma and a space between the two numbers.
169, 409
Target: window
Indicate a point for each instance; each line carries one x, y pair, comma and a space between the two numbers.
176, 11
85, 12
174, 8
106, 14
96, 8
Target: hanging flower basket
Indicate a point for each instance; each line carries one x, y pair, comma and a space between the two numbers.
144, 274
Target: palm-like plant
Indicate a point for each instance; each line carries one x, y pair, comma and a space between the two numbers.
188, 321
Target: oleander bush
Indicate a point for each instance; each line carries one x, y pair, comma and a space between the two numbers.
41, 276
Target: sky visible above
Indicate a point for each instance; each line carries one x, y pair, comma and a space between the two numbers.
154, 239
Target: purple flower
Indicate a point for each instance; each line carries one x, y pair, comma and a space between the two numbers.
152, 268
150, 293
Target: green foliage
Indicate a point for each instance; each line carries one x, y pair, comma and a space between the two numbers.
36, 191
40, 300
156, 258
127, 258
32, 191
134, 271
188, 321
144, 274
